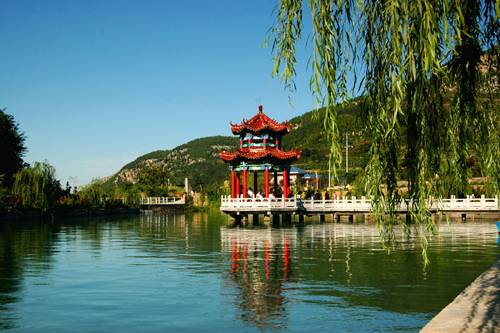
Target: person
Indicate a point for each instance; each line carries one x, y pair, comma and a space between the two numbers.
250, 192
259, 196
327, 195
317, 196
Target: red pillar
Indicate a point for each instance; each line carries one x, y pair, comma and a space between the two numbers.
285, 182
238, 185
244, 183
255, 182
233, 184
266, 182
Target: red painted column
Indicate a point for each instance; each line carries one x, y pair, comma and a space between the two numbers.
238, 185
266, 182
233, 184
245, 183
285, 183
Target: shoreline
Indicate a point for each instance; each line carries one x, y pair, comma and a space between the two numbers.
475, 309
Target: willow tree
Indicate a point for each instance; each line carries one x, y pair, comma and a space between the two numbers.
36, 187
420, 66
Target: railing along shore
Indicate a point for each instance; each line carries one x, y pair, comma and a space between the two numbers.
352, 204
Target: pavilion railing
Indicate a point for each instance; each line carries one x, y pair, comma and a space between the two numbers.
352, 204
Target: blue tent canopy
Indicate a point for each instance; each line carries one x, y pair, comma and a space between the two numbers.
297, 171
309, 176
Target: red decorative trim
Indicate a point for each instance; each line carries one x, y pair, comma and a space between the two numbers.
257, 154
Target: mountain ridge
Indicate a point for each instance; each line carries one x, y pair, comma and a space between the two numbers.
199, 161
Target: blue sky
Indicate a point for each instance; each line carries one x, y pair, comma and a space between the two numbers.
95, 84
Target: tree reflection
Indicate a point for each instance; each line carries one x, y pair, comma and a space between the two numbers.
23, 247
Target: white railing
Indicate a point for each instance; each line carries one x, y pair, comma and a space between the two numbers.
163, 201
352, 204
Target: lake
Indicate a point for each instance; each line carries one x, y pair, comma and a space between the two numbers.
185, 273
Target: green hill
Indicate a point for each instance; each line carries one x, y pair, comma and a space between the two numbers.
199, 161
309, 136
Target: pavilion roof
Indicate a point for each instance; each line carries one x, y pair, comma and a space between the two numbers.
259, 123
246, 154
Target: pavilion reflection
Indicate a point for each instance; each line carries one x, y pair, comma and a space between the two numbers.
260, 265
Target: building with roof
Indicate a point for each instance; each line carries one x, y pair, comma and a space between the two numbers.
260, 151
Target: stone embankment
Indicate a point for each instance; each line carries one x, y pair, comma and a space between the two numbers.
476, 309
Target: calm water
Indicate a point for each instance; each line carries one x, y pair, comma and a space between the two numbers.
180, 274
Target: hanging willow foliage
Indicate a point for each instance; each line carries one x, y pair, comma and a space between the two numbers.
36, 186
428, 71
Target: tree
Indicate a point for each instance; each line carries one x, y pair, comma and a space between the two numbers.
430, 67
153, 179
12, 148
36, 187
92, 195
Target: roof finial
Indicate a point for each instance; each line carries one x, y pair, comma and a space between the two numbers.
260, 108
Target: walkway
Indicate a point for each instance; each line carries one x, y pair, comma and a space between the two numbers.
476, 309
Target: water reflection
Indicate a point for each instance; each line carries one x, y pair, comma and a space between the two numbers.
260, 265
342, 265
27, 251
334, 275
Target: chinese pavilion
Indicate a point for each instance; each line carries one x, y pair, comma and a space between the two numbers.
259, 151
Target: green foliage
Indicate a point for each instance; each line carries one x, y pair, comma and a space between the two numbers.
12, 148
158, 154
36, 187
4, 193
310, 137
152, 179
92, 195
129, 195
198, 160
410, 55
